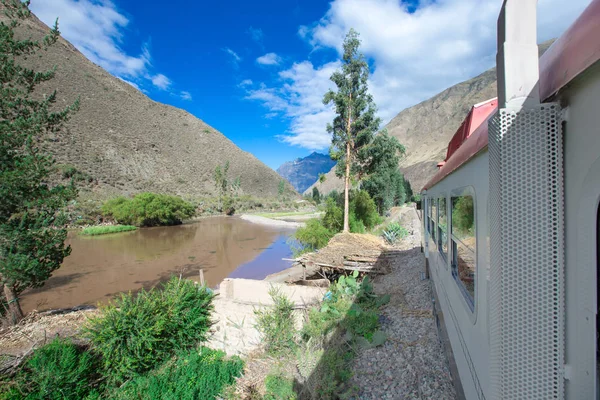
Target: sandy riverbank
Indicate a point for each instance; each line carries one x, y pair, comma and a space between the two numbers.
271, 222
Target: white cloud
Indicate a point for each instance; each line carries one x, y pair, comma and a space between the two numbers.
245, 82
161, 81
269, 59
235, 58
300, 99
185, 95
256, 34
96, 28
413, 55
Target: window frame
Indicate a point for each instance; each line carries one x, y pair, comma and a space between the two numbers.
470, 301
433, 228
443, 254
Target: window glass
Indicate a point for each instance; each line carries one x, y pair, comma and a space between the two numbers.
434, 220
464, 244
443, 228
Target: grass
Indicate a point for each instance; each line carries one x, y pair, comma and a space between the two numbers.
285, 214
103, 230
322, 351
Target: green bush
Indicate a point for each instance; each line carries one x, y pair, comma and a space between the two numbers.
278, 387
333, 220
138, 332
59, 370
197, 374
106, 229
393, 232
276, 324
356, 225
365, 209
463, 215
148, 209
312, 236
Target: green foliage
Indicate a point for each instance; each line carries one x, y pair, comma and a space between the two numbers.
463, 215
220, 178
322, 177
348, 317
416, 197
70, 172
106, 229
278, 387
316, 196
136, 333
356, 225
276, 324
312, 236
149, 209
333, 219
281, 188
393, 232
385, 183
198, 374
32, 227
355, 122
365, 209
58, 370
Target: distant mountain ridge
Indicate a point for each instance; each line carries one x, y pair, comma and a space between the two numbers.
127, 143
303, 172
426, 128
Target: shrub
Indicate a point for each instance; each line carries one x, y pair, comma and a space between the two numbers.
59, 370
356, 225
365, 209
277, 324
312, 236
106, 229
278, 387
149, 209
333, 220
136, 333
198, 374
393, 232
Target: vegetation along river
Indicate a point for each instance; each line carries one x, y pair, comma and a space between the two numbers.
101, 267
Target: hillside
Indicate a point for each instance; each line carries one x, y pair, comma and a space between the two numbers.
426, 128
129, 143
303, 172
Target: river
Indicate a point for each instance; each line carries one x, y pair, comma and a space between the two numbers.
101, 267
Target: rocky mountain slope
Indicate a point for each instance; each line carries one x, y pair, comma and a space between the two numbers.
129, 143
426, 128
303, 172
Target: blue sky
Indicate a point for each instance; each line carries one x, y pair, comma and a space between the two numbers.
257, 70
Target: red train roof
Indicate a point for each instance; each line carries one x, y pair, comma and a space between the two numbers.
570, 55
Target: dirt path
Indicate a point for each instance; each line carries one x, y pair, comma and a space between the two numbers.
412, 363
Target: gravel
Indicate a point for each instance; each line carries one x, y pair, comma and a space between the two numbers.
412, 363
271, 222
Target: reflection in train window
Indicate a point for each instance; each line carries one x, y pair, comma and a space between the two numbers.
464, 244
434, 220
443, 228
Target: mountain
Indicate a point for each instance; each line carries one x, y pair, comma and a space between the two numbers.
426, 128
127, 143
303, 172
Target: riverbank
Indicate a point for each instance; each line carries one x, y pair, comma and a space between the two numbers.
257, 219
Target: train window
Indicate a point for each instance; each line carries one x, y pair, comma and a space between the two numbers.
443, 228
434, 220
464, 244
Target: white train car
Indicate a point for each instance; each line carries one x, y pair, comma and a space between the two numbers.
511, 221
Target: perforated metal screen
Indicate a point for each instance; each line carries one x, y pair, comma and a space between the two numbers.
527, 265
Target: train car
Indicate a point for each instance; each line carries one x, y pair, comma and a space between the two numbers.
511, 221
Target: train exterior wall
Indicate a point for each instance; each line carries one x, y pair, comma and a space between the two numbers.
467, 330
582, 194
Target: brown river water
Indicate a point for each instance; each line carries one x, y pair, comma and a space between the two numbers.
101, 267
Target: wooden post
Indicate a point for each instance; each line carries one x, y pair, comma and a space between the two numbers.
202, 277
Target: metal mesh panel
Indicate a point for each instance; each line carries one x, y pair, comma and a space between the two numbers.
527, 261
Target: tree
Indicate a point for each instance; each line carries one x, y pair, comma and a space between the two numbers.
316, 196
355, 122
281, 188
32, 226
220, 178
322, 177
383, 180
